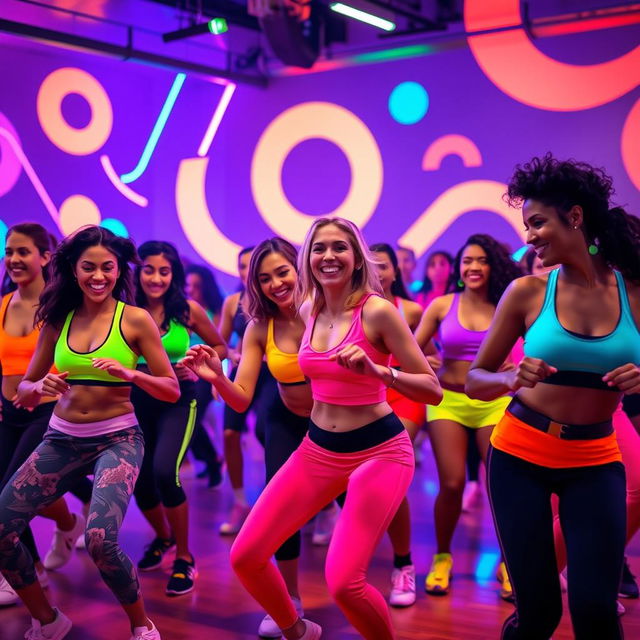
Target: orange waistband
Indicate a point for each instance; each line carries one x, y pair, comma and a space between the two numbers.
517, 438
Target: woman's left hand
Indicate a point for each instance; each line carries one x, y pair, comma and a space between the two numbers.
113, 368
626, 378
183, 373
354, 358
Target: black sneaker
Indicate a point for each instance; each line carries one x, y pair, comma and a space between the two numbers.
154, 552
182, 577
628, 584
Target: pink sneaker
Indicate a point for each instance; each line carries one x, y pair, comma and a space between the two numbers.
144, 633
238, 515
403, 587
312, 632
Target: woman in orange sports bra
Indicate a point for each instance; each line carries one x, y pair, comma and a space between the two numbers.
274, 333
27, 252
581, 354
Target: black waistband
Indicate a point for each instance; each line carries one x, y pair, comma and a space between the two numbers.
563, 431
292, 384
371, 435
586, 379
98, 383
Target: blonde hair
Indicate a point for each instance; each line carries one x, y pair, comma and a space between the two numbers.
364, 279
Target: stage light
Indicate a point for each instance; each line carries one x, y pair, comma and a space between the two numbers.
215, 26
363, 16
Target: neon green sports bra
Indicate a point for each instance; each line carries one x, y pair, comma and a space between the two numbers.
175, 342
79, 364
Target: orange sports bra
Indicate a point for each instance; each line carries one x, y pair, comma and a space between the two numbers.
15, 351
283, 366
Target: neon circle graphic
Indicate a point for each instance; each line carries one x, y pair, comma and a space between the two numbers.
547, 84
630, 144
55, 87
10, 165
475, 195
408, 103
77, 211
303, 122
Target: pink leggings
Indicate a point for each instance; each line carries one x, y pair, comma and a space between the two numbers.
629, 443
377, 480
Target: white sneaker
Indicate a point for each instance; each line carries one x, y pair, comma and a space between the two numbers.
471, 495
312, 632
80, 542
143, 633
238, 515
323, 526
269, 629
63, 543
7, 595
403, 587
55, 630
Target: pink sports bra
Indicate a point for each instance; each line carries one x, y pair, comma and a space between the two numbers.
334, 384
457, 342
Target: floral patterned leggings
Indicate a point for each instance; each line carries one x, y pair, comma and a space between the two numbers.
114, 459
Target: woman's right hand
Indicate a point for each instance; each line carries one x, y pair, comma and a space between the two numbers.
528, 373
53, 384
204, 362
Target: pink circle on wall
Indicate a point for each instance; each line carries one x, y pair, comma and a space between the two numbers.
10, 167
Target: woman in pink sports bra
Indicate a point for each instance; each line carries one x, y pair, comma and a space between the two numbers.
482, 271
355, 442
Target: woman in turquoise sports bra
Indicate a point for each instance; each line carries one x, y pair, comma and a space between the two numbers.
167, 428
94, 338
581, 354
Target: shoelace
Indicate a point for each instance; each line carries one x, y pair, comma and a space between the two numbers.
405, 581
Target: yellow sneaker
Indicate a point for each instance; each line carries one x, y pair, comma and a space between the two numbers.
437, 582
506, 590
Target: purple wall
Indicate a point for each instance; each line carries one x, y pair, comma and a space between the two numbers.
316, 175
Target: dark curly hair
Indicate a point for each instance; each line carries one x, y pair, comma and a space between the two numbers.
562, 184
397, 287
175, 302
41, 238
260, 307
427, 285
211, 293
62, 293
502, 268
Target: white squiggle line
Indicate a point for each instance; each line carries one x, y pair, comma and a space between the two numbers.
29, 170
125, 190
218, 114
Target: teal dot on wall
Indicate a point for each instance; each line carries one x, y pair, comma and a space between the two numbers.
408, 103
115, 226
3, 234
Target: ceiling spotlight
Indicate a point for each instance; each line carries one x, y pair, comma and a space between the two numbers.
365, 14
215, 26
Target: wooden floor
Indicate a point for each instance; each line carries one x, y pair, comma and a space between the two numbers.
219, 609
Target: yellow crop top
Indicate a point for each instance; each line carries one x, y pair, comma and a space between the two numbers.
283, 366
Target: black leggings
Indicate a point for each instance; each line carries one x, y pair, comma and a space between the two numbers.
283, 434
167, 429
201, 445
21, 431
592, 504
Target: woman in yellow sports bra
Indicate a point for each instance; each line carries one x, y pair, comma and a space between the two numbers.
94, 338
274, 333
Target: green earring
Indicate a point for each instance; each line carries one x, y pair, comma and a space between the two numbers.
460, 283
593, 249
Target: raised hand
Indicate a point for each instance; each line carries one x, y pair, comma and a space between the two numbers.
204, 362
625, 377
529, 372
354, 358
113, 368
184, 373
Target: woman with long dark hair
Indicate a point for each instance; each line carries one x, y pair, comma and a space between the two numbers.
481, 272
94, 338
167, 427
581, 354
437, 273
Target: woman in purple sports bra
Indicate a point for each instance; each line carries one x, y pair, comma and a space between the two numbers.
355, 441
482, 271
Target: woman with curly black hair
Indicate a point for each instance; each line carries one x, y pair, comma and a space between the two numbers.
581, 354
482, 271
167, 427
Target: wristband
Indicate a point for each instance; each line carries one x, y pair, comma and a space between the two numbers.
394, 377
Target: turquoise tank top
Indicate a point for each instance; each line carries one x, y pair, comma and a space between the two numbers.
582, 360
175, 342
79, 364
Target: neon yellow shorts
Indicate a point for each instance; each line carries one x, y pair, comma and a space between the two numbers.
474, 414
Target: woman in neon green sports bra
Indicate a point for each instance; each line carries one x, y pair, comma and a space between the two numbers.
94, 338
167, 428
